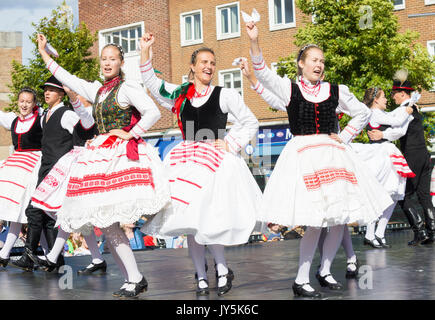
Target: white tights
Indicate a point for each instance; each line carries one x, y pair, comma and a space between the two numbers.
308, 247
12, 236
382, 224
197, 253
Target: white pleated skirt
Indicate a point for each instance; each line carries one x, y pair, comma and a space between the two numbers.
18, 178
213, 196
319, 182
98, 185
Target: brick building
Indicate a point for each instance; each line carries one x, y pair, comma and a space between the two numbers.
11, 48
124, 22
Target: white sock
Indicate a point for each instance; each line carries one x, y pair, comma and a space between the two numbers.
12, 236
307, 248
197, 254
332, 242
91, 241
119, 263
121, 245
348, 248
58, 246
217, 250
370, 232
383, 221
43, 243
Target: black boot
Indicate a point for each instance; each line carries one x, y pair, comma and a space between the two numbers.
429, 225
25, 262
417, 226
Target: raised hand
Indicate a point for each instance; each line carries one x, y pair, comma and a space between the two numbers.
42, 42
252, 31
247, 72
146, 43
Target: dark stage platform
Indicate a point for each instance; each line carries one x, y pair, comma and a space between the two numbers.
263, 271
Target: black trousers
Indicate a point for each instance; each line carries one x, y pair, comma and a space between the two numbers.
420, 163
38, 221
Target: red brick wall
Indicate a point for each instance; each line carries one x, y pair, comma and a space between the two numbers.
275, 44
104, 14
425, 25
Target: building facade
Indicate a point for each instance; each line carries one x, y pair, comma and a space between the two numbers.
11, 48
123, 22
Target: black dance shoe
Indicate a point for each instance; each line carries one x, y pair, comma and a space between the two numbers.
372, 243
381, 241
330, 285
25, 262
4, 262
202, 291
93, 267
46, 264
230, 274
352, 274
119, 292
227, 287
139, 287
299, 291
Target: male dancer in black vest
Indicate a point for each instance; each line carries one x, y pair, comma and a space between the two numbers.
413, 147
59, 134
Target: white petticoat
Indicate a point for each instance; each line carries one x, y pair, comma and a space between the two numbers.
98, 186
18, 178
214, 196
319, 182
388, 165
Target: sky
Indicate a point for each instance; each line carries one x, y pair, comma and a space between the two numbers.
18, 15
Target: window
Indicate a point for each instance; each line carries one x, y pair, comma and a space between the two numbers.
399, 4
191, 28
281, 14
431, 50
231, 78
127, 37
429, 2
227, 21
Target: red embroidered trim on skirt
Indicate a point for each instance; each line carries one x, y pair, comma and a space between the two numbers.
311, 146
101, 183
328, 176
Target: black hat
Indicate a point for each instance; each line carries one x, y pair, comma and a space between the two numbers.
53, 82
401, 82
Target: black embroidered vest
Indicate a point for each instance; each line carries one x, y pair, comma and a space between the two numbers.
56, 141
30, 140
205, 122
306, 117
109, 114
382, 127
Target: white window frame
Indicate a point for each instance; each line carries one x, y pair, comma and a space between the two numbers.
431, 49
400, 6
272, 25
221, 77
183, 41
230, 35
101, 38
429, 2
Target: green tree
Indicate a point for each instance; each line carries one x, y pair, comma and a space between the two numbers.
73, 45
362, 47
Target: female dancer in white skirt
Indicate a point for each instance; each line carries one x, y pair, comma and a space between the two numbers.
317, 181
19, 172
117, 177
215, 198
384, 159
